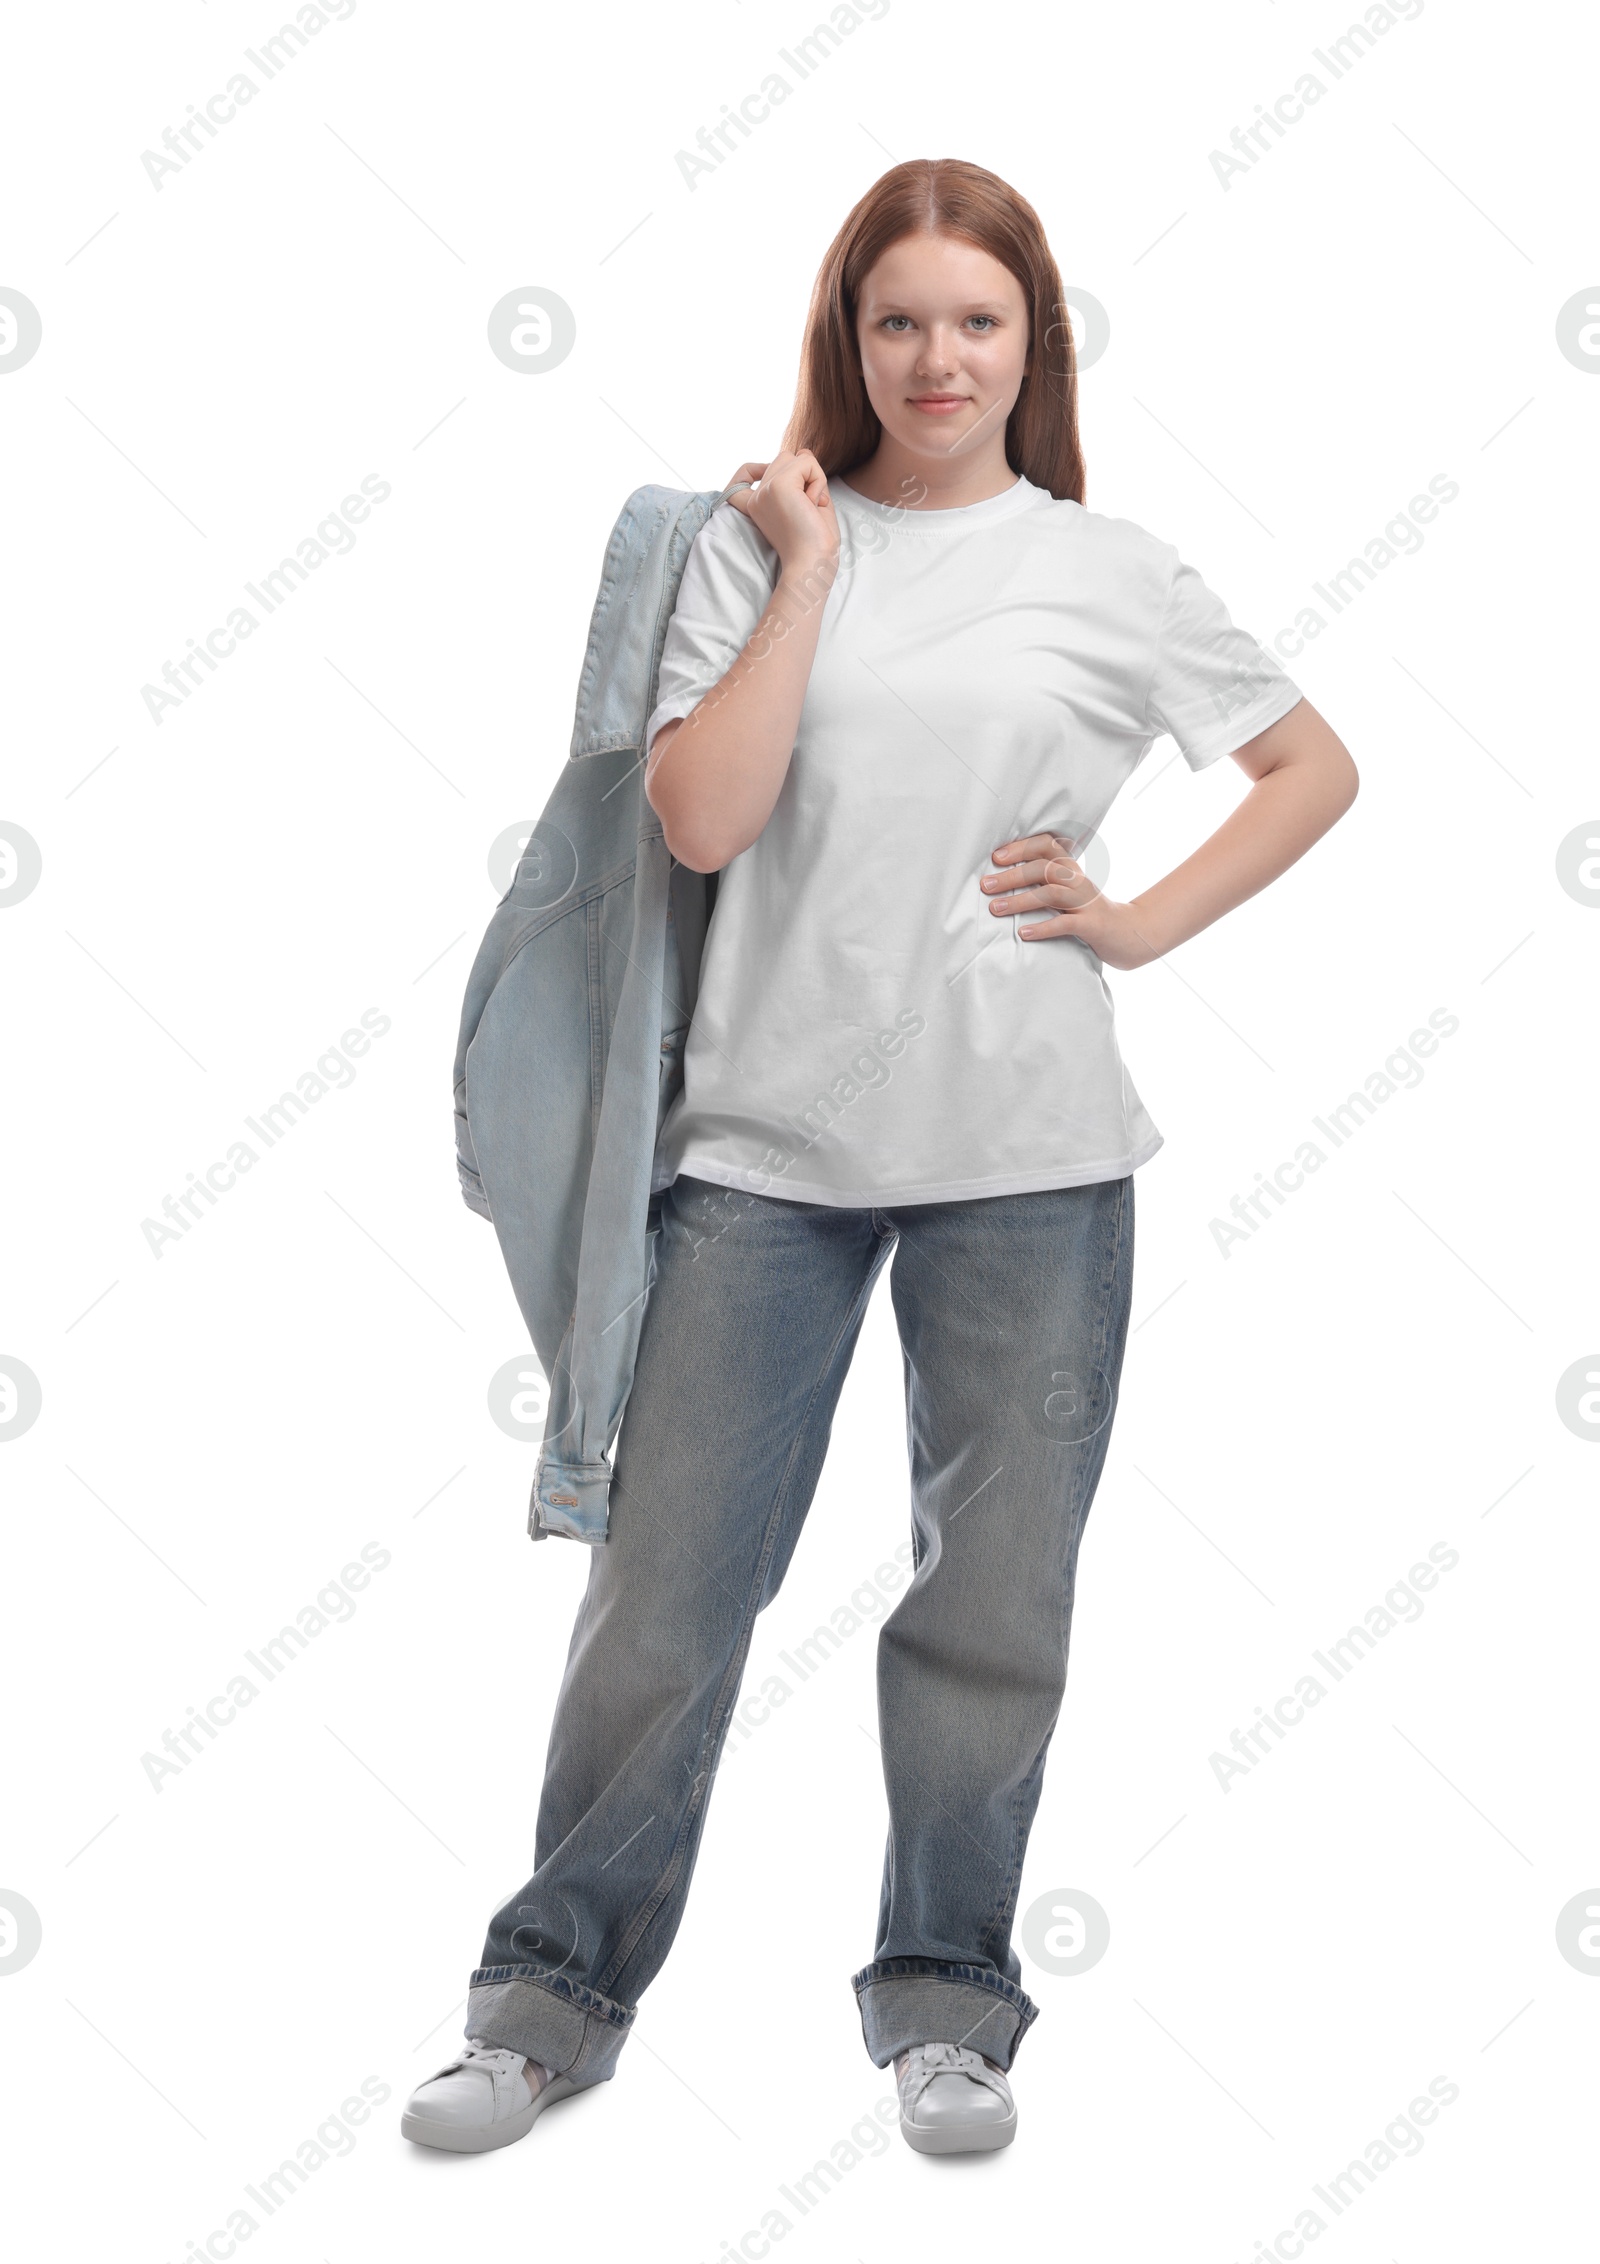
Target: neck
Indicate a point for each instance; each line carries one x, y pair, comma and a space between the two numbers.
893, 474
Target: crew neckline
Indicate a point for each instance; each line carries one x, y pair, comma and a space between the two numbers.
1016, 497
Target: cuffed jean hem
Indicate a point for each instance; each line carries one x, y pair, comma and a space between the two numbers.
926, 2000
570, 2029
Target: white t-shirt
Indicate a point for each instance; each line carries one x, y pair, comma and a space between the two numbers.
867, 1031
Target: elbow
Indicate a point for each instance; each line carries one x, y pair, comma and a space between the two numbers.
689, 838
1331, 775
692, 841
695, 850
1348, 784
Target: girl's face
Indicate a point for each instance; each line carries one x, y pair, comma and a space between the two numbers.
943, 331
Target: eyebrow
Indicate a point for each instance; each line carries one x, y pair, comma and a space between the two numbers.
968, 306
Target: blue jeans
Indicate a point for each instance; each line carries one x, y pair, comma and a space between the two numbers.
1012, 1312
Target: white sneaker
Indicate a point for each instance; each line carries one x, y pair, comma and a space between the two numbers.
952, 2101
480, 2100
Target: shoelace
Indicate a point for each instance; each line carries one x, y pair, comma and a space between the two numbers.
928, 2060
474, 2050
494, 2059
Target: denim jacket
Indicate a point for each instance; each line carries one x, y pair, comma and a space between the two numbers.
573, 1026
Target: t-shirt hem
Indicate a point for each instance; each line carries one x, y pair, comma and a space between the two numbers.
674, 710
1242, 729
789, 1189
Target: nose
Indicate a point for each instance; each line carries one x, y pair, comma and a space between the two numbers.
940, 355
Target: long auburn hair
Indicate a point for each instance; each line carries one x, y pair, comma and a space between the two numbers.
942, 196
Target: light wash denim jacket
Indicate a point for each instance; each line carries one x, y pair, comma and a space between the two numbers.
572, 1031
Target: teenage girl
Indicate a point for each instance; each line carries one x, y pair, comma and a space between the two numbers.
906, 676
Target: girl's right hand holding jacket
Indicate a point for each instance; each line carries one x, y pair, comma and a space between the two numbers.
788, 502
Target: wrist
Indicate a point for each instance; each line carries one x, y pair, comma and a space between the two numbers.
805, 582
1154, 932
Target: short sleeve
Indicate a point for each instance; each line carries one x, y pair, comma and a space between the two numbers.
728, 578
1213, 686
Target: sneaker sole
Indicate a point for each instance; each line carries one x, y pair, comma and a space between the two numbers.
960, 2138
476, 2138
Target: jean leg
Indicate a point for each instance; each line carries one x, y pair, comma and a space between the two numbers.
746, 1339
1013, 1313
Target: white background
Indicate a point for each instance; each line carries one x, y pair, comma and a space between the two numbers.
1291, 358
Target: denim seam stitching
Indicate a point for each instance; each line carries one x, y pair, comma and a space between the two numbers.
998, 1926
552, 915
959, 1974
1108, 1290
597, 1046
1005, 1910
498, 1976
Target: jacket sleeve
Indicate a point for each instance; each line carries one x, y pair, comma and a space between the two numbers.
562, 1056
592, 1372
485, 974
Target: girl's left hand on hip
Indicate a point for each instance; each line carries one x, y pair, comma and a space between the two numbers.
1041, 875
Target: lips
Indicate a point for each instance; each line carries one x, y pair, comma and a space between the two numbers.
935, 402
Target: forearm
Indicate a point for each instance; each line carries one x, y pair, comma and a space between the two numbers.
713, 778
1287, 809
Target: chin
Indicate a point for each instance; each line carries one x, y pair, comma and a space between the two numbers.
930, 439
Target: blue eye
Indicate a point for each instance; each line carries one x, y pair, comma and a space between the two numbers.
891, 322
